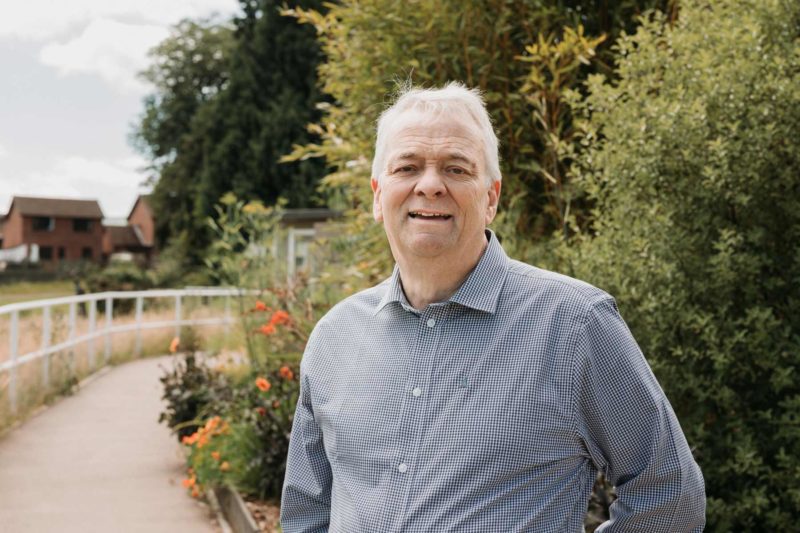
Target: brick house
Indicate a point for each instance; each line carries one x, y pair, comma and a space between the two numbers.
134, 241
64, 229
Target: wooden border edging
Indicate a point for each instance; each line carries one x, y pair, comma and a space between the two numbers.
235, 511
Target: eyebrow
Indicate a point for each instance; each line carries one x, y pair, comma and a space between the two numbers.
452, 156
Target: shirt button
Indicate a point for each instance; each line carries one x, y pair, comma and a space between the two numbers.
431, 322
402, 468
417, 392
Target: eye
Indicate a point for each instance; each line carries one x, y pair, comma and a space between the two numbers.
405, 169
458, 171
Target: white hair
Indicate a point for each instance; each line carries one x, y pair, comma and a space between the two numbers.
452, 99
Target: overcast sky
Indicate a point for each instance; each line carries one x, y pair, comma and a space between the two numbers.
69, 94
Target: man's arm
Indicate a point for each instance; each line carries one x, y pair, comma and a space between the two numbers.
632, 433
306, 500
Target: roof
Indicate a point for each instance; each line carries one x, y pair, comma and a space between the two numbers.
124, 236
141, 198
56, 207
312, 214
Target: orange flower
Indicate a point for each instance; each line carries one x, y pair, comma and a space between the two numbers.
189, 482
173, 346
195, 492
215, 455
286, 373
191, 439
212, 423
267, 329
260, 306
224, 466
263, 384
279, 317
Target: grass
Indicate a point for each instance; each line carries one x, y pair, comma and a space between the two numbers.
24, 291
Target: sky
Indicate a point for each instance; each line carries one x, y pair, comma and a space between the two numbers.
70, 95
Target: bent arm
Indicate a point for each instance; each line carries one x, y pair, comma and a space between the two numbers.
631, 432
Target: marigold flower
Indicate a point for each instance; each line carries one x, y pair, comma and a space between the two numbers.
263, 384
173, 346
190, 439
260, 306
286, 373
279, 317
212, 423
224, 466
267, 329
189, 482
215, 455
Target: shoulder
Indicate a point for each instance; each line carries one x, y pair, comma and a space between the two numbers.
552, 291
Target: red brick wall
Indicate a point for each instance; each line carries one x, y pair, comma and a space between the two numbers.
143, 217
64, 236
12, 230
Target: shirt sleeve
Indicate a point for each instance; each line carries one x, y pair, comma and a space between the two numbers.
631, 432
306, 499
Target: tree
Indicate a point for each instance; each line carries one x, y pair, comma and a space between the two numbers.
692, 157
208, 139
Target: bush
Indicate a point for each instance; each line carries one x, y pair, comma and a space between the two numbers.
692, 159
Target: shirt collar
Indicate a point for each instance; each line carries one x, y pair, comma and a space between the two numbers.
480, 290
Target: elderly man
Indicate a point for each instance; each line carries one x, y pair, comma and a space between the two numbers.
471, 392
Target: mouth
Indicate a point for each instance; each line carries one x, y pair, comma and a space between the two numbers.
429, 215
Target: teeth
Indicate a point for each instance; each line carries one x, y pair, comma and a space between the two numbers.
429, 215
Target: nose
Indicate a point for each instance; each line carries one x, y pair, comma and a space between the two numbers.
430, 184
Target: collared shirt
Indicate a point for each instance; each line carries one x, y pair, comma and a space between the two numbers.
491, 412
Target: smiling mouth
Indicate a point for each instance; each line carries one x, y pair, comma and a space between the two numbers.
429, 216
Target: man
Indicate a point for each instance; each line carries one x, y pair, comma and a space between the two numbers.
471, 392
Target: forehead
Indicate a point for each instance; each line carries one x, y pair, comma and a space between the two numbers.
414, 132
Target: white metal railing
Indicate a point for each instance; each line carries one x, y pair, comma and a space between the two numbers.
96, 329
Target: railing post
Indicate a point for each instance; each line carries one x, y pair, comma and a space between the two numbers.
13, 345
46, 334
178, 314
137, 350
73, 308
109, 318
227, 315
92, 328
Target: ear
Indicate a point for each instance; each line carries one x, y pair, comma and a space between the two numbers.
494, 198
377, 211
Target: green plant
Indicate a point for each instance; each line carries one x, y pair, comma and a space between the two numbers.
692, 158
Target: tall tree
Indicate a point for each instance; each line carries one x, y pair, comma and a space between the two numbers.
230, 102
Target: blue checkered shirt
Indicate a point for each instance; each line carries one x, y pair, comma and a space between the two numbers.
490, 412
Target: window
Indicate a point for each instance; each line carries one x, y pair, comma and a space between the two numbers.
46, 253
86, 252
81, 225
43, 224
61, 252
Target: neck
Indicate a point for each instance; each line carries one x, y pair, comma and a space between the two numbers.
430, 280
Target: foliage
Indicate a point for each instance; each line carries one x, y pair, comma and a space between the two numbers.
190, 387
230, 100
691, 159
370, 45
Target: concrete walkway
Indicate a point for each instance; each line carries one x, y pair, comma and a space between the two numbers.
99, 461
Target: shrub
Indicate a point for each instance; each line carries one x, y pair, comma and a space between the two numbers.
692, 160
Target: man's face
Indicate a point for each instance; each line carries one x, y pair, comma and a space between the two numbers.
433, 195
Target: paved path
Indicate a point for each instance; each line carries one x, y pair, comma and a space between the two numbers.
99, 461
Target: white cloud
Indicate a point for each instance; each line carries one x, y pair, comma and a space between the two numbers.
114, 183
113, 50
40, 20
